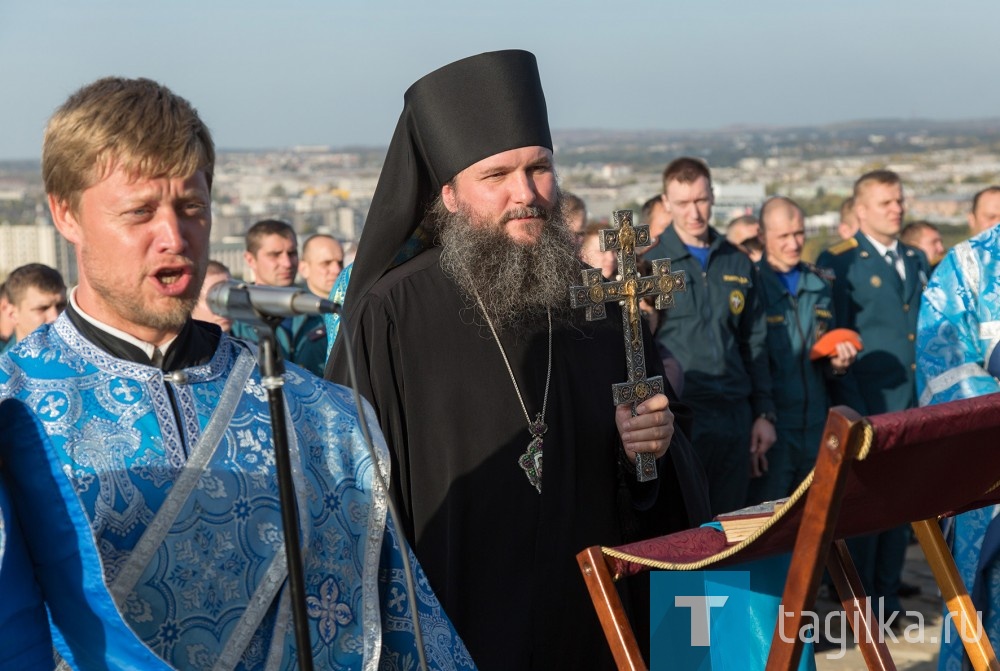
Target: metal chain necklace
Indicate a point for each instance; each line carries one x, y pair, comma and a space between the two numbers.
531, 461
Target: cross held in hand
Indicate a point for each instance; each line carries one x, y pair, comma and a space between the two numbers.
627, 290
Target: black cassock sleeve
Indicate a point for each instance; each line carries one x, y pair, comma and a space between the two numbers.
681, 492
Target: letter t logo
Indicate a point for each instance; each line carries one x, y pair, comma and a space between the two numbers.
701, 635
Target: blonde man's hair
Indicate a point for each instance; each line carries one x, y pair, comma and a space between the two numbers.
135, 124
874, 177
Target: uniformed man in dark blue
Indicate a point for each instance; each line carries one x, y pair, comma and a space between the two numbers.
272, 253
798, 306
877, 288
717, 332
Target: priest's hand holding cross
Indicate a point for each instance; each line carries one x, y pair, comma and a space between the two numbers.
647, 432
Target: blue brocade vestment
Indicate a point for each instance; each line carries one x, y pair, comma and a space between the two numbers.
141, 508
957, 336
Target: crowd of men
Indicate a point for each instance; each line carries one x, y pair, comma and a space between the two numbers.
139, 516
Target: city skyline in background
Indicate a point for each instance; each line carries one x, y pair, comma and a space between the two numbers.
333, 74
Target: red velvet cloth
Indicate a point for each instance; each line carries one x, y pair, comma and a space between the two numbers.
923, 463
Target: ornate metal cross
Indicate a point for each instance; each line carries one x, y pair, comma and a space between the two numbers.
627, 290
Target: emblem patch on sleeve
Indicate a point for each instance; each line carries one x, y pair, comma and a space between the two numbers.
736, 301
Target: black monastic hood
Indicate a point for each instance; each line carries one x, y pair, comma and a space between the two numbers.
452, 118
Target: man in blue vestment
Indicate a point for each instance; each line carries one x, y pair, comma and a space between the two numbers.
139, 511
957, 357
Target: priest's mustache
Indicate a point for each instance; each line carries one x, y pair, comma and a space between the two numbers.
524, 213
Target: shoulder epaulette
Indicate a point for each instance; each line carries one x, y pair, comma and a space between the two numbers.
826, 273
843, 246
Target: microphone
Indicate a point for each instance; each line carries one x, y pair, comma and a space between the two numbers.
251, 302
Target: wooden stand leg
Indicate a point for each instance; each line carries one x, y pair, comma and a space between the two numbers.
858, 607
839, 446
956, 596
617, 628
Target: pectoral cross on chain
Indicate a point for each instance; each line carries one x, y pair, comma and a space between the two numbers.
627, 290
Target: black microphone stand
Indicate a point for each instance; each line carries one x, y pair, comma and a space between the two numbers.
272, 369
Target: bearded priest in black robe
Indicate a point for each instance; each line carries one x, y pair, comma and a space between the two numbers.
494, 397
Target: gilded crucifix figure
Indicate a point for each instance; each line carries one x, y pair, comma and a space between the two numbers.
627, 290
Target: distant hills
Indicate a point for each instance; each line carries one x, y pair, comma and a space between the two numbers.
858, 129
726, 146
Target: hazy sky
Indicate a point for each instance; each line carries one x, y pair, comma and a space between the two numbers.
287, 72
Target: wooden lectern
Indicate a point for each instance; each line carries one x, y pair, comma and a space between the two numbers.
871, 474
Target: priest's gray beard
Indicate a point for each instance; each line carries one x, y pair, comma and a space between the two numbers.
516, 282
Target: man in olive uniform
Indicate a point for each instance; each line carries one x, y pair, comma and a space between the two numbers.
717, 332
876, 291
797, 298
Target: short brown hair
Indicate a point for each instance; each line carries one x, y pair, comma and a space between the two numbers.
975, 198
875, 177
214, 266
846, 208
319, 236
685, 170
910, 235
648, 207
573, 204
743, 219
265, 227
788, 203
594, 228
136, 124
33, 275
